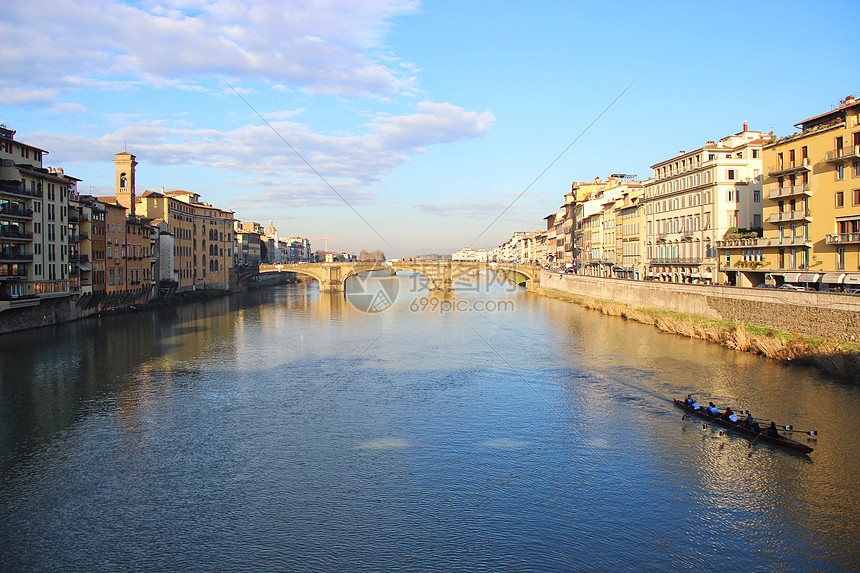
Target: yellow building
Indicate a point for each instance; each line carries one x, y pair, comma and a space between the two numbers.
203, 234
812, 207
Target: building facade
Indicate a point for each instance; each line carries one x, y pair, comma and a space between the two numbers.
811, 208
697, 198
34, 225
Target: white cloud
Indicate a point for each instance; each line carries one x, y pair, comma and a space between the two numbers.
436, 123
334, 47
264, 155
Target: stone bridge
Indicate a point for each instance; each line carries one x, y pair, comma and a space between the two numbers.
441, 274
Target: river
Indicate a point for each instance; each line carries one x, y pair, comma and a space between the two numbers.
286, 430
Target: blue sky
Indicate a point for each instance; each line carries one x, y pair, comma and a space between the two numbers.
427, 118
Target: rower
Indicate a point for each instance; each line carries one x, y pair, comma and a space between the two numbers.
689, 400
713, 410
772, 431
730, 415
752, 424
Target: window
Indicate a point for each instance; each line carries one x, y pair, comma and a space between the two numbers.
856, 199
756, 196
840, 199
731, 174
755, 153
840, 258
840, 171
856, 166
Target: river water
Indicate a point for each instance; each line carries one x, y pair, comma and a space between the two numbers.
285, 430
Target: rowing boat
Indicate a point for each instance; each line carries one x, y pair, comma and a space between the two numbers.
746, 432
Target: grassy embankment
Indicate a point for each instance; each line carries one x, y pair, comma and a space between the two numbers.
840, 360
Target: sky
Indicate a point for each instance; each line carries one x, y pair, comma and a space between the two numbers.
408, 126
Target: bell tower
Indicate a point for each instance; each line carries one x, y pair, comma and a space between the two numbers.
125, 165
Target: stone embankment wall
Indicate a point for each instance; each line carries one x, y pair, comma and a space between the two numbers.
819, 314
49, 311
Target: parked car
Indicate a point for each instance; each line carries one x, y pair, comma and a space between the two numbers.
852, 291
762, 285
790, 287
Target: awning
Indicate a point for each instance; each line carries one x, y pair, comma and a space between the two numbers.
84, 267
832, 278
851, 279
790, 277
808, 277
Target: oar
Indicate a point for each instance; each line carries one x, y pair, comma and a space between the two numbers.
810, 432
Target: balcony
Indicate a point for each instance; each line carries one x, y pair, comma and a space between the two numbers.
83, 236
74, 238
802, 215
15, 211
788, 167
9, 256
13, 272
74, 257
840, 154
675, 260
791, 191
842, 238
17, 189
789, 242
14, 234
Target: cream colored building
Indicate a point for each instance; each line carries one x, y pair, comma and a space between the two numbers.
597, 237
811, 210
698, 197
34, 225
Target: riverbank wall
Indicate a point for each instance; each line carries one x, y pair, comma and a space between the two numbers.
830, 316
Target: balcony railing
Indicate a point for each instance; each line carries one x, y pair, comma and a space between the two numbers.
842, 238
790, 191
802, 215
675, 260
10, 256
13, 210
845, 153
789, 241
17, 189
13, 233
788, 167
13, 271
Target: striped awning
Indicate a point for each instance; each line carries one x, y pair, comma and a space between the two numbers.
808, 277
832, 278
851, 279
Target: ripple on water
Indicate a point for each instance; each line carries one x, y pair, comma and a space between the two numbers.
383, 443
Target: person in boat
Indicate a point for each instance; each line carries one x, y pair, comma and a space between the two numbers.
713, 410
772, 431
751, 424
730, 416
695, 406
689, 401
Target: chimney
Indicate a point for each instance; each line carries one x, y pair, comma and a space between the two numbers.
746, 126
